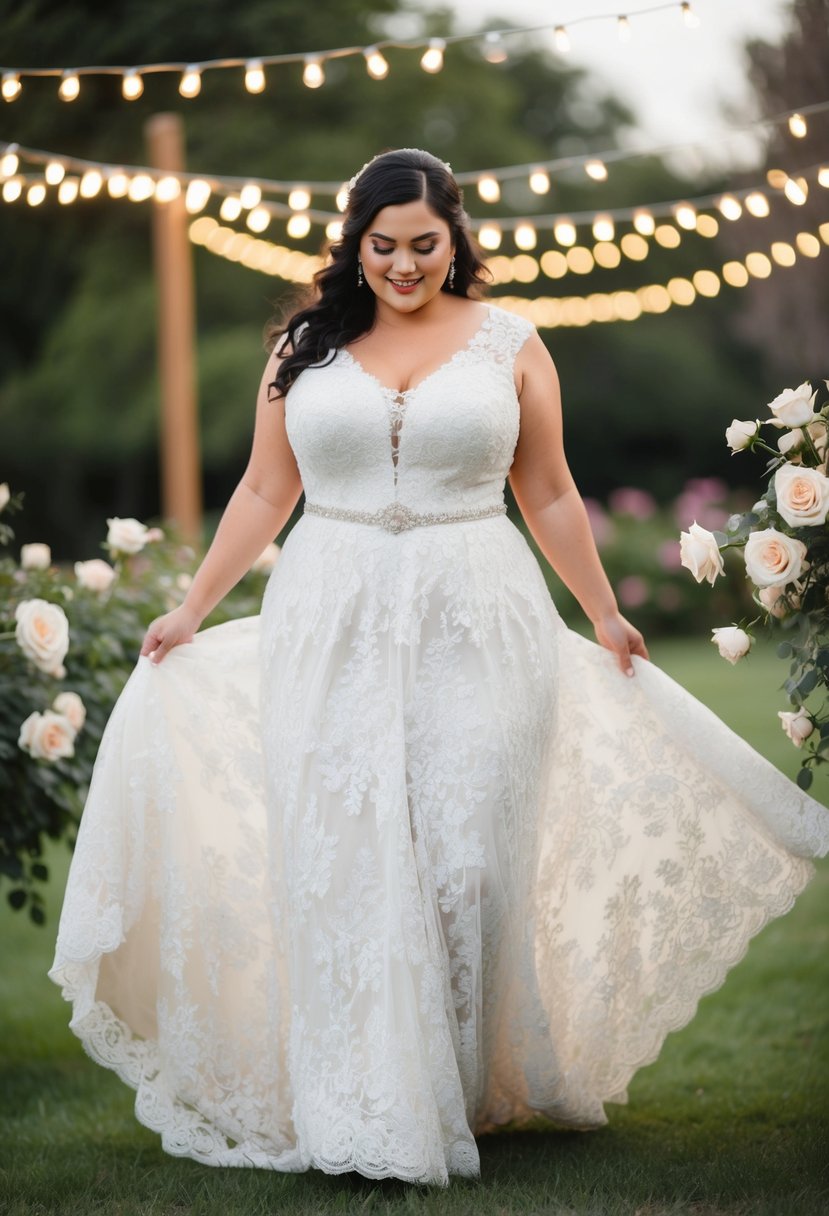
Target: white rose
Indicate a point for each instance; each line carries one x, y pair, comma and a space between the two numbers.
126, 535
802, 496
772, 557
699, 553
817, 431
47, 736
740, 434
773, 599
793, 407
71, 706
5, 495
790, 442
35, 557
731, 642
43, 635
95, 575
267, 559
798, 726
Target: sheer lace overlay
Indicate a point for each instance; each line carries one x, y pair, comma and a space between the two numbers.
404, 858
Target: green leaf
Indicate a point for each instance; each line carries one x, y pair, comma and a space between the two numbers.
17, 898
784, 650
804, 778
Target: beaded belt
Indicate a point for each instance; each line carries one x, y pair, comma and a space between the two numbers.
397, 518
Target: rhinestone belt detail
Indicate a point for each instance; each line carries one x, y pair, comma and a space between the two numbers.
396, 517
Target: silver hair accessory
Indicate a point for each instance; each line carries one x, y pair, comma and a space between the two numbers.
350, 185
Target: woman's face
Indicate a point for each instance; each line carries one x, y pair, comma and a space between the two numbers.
405, 252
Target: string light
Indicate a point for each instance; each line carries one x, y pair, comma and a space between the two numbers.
118, 185
12, 189
808, 244
540, 181
54, 172
68, 190
11, 87
9, 163
432, 58
561, 39
596, 169
525, 236
603, 228
644, 222
258, 219
197, 195
685, 216
250, 196
298, 226
797, 126
167, 189
313, 73
565, 232
489, 189
489, 236
334, 230
757, 204
190, 83
376, 63
91, 183
796, 190
231, 207
132, 86
666, 236
141, 187
823, 177
494, 49
729, 207
254, 76
69, 87
342, 198
299, 199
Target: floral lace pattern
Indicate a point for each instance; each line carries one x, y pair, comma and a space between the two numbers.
404, 858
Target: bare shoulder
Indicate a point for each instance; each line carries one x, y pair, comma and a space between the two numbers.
534, 366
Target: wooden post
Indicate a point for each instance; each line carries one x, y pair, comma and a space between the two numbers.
181, 498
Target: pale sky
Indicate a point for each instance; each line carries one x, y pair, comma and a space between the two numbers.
675, 79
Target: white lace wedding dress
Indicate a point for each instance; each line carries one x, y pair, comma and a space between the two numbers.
405, 858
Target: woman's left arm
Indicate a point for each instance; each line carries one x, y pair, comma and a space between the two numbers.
552, 506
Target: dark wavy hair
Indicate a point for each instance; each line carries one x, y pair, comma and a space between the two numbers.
338, 311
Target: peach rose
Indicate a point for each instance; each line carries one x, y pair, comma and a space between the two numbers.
47, 736
700, 553
732, 642
774, 601
126, 535
71, 707
35, 557
772, 557
95, 575
798, 726
42, 634
802, 496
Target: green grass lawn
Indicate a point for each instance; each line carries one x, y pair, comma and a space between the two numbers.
732, 1118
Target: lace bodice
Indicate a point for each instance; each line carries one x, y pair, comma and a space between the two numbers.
446, 444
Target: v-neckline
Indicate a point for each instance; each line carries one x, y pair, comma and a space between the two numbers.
402, 394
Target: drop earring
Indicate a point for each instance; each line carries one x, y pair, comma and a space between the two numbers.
359, 271
451, 278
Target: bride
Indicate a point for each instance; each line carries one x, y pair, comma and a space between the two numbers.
404, 858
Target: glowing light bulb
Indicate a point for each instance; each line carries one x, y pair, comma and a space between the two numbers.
489, 236
561, 39
231, 207
55, 172
540, 181
11, 86
796, 190
68, 190
596, 169
689, 16
313, 74
797, 125
132, 86
299, 199
623, 27
494, 49
685, 216
190, 83
729, 207
258, 219
69, 87
757, 204
644, 222
36, 194
197, 195
376, 63
250, 196
141, 187
432, 58
167, 188
298, 226
525, 236
254, 76
118, 184
565, 232
603, 228
9, 163
91, 183
488, 189
823, 176
334, 230
12, 189
808, 244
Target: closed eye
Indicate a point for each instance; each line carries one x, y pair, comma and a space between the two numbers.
431, 249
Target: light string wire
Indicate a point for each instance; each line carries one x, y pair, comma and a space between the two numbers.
320, 56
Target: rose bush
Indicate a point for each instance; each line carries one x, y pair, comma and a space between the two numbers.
69, 638
784, 538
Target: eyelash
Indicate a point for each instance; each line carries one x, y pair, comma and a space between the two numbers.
431, 249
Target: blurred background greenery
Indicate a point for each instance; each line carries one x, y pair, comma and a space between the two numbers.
646, 402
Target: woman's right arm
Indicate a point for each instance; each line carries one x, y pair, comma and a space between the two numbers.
258, 509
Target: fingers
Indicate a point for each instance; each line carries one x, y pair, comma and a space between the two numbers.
151, 641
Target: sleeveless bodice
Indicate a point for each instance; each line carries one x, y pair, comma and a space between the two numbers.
444, 445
